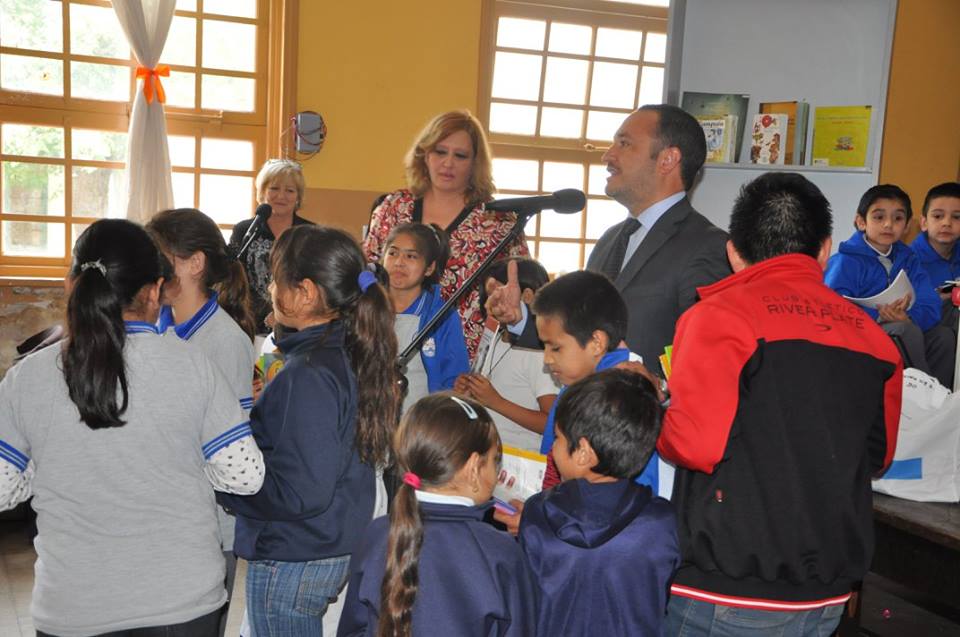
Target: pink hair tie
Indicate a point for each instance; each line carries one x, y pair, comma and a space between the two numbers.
412, 479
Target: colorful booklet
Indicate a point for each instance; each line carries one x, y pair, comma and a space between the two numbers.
521, 474
798, 113
768, 138
268, 366
841, 135
720, 105
719, 133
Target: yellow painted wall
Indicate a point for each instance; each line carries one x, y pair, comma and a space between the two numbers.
377, 70
921, 137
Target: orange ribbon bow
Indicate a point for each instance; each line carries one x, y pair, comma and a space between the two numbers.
151, 77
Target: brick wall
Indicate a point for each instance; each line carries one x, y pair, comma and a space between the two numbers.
25, 309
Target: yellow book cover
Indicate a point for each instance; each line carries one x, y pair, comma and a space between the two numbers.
841, 135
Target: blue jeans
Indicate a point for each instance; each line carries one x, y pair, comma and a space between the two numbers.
288, 599
688, 617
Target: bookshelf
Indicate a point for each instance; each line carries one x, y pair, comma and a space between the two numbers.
824, 52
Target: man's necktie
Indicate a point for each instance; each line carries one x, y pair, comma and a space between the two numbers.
614, 261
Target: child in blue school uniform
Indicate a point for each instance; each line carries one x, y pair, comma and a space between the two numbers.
937, 245
870, 260
602, 547
325, 422
414, 258
435, 567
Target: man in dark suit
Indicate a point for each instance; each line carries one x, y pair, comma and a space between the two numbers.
664, 250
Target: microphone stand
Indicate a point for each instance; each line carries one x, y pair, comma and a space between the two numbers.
404, 357
246, 244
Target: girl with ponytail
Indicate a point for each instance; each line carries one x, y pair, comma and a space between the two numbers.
436, 568
133, 430
326, 421
207, 303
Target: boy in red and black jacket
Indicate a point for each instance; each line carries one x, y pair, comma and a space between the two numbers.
785, 401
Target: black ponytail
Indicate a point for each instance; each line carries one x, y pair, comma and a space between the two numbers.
332, 259
112, 261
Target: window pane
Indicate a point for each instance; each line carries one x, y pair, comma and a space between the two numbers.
561, 122
96, 31
516, 76
31, 25
231, 46
601, 215
570, 38
651, 85
560, 175
613, 85
598, 179
99, 192
183, 190
560, 226
239, 8
181, 89
100, 81
226, 199
186, 5
521, 34
559, 258
227, 154
655, 49
619, 43
34, 75
221, 93
181, 45
76, 230
33, 239
32, 141
602, 126
652, 3
587, 249
566, 81
516, 174
32, 189
182, 148
99, 145
513, 118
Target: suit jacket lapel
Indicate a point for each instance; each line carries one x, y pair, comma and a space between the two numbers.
667, 226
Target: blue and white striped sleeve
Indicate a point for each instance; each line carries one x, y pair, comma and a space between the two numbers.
16, 468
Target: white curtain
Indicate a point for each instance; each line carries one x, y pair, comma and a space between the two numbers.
149, 189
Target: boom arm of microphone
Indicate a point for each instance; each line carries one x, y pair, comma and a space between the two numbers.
263, 213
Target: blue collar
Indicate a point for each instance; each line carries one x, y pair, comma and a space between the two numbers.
189, 327
614, 358
416, 307
140, 327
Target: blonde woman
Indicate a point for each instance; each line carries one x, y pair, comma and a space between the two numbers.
279, 183
448, 182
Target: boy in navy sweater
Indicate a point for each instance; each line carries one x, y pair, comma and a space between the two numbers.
602, 547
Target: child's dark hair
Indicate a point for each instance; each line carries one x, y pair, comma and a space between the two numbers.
777, 214
432, 243
332, 260
530, 275
883, 191
585, 302
434, 441
618, 412
112, 261
186, 231
946, 189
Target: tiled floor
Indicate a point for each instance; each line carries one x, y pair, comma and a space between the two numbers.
16, 583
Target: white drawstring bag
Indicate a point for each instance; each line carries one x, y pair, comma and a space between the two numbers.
926, 465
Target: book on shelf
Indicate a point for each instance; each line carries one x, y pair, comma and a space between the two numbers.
716, 106
841, 135
768, 138
798, 114
719, 133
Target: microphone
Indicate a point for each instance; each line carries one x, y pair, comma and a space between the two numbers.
566, 201
263, 213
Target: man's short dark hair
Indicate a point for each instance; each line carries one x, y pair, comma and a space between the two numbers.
946, 189
779, 213
676, 127
618, 413
584, 302
884, 191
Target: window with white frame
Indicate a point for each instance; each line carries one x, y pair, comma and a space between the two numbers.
67, 77
558, 79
